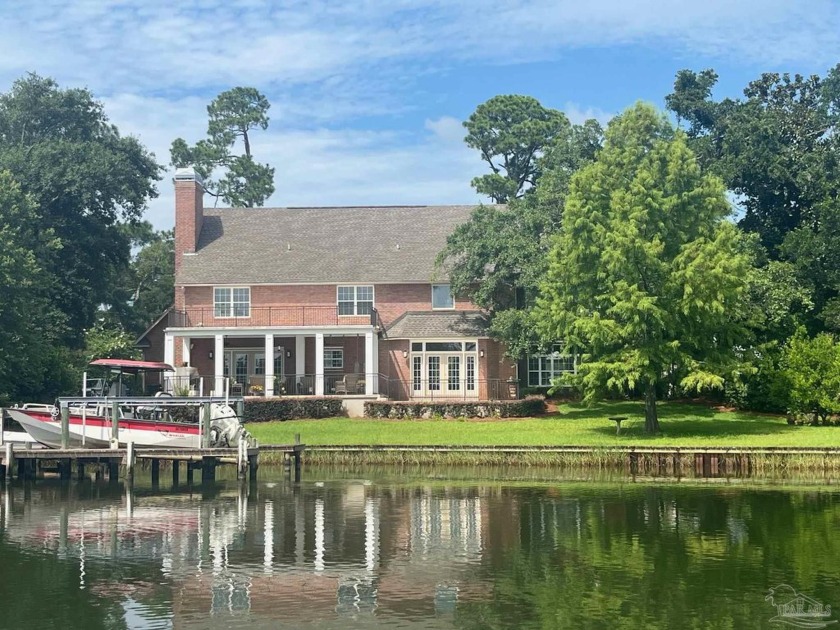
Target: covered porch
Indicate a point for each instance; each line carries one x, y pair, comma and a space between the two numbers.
273, 363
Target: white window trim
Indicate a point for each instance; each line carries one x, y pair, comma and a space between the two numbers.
333, 349
557, 354
355, 312
442, 308
232, 308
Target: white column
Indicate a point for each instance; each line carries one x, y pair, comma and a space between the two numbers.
319, 364
369, 363
186, 342
169, 358
219, 365
300, 356
269, 364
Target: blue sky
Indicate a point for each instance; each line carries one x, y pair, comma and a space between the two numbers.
368, 96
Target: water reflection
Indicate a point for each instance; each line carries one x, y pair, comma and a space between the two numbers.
346, 553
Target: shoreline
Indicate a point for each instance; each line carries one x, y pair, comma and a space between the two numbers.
711, 461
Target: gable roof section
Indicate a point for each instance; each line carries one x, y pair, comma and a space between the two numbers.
142, 341
438, 325
320, 245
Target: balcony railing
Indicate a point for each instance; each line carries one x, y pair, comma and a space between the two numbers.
207, 316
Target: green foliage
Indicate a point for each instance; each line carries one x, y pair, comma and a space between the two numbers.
523, 408
759, 384
233, 114
776, 149
109, 340
646, 276
510, 132
271, 409
30, 324
498, 258
812, 375
85, 180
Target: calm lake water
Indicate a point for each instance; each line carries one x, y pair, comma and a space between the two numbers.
397, 549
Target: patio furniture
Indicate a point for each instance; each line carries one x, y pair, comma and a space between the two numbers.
237, 389
347, 385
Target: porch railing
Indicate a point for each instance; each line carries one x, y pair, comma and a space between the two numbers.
353, 384
207, 316
444, 389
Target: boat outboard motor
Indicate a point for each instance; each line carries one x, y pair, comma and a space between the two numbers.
225, 428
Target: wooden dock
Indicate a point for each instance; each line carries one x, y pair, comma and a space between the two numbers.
25, 462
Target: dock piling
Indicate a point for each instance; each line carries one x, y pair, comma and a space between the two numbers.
205, 427
129, 461
65, 426
115, 424
208, 469
155, 473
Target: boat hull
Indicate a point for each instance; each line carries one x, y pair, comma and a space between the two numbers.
95, 431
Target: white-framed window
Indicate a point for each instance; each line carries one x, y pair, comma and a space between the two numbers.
543, 368
333, 358
232, 301
355, 300
442, 298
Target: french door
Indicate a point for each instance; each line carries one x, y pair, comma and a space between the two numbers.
444, 375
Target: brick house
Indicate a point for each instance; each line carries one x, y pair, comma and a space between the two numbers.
321, 301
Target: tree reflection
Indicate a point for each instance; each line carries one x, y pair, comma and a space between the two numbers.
659, 558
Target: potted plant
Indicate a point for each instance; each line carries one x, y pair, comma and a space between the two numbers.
256, 390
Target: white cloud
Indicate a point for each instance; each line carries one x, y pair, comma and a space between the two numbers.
447, 129
317, 167
578, 114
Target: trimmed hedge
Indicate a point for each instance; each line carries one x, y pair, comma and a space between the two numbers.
524, 408
269, 409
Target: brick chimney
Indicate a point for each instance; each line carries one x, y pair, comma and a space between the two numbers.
189, 212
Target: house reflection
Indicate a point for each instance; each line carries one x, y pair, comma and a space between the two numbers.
276, 551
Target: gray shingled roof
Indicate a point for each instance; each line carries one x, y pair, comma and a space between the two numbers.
436, 324
303, 245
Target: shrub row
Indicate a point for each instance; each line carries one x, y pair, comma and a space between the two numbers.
268, 409
475, 409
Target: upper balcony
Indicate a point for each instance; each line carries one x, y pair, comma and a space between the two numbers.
291, 316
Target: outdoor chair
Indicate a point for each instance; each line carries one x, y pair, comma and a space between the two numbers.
347, 385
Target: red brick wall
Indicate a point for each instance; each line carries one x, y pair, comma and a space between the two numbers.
189, 214
395, 368
391, 300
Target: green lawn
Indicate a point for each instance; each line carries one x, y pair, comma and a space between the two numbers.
573, 425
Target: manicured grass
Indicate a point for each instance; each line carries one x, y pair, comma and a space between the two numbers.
572, 425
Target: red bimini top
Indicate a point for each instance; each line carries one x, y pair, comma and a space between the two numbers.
136, 366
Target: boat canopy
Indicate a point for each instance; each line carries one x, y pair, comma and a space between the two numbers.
130, 365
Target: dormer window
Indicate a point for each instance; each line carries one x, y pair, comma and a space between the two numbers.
442, 298
232, 301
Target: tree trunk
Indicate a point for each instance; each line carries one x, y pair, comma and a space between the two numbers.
651, 419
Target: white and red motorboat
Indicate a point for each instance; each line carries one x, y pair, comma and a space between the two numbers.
161, 420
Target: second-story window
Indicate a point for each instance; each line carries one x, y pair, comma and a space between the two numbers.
232, 301
357, 300
442, 297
